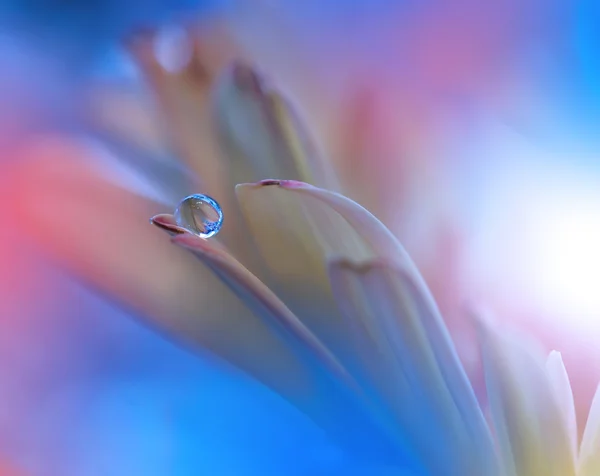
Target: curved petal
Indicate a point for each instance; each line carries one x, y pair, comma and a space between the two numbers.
559, 380
319, 385
184, 95
184, 99
262, 301
410, 366
589, 455
279, 223
529, 424
261, 132
99, 232
318, 224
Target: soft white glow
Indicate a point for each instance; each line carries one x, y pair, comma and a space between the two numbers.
563, 244
537, 241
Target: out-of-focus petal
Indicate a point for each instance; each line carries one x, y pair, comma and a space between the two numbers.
319, 385
184, 95
294, 241
184, 99
589, 453
262, 301
261, 132
373, 234
100, 232
559, 380
410, 366
529, 424
316, 224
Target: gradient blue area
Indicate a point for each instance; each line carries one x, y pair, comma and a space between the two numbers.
82, 28
134, 403
586, 41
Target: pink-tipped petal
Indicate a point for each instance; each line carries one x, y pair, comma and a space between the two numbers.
317, 224
100, 233
166, 221
374, 234
294, 242
184, 99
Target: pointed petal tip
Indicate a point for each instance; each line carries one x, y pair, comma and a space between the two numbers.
166, 221
246, 77
289, 184
555, 354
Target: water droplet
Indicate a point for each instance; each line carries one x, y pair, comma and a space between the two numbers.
200, 215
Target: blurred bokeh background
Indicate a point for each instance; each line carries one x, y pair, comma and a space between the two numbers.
471, 129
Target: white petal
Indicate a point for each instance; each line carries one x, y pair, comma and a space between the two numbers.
294, 241
529, 424
589, 454
411, 368
559, 380
316, 224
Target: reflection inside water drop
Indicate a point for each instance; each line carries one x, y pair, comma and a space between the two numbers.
200, 215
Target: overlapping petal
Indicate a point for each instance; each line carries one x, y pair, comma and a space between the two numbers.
261, 132
98, 231
589, 454
317, 224
314, 379
529, 424
412, 372
559, 380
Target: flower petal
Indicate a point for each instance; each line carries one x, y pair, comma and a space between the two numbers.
316, 224
559, 380
99, 232
261, 132
529, 424
406, 359
262, 301
184, 98
589, 454
294, 243
334, 399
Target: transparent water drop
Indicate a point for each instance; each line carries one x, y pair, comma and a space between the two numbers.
200, 215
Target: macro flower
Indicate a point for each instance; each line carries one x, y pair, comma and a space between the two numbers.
346, 329
306, 291
391, 352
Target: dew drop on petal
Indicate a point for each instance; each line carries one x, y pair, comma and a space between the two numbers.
200, 215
